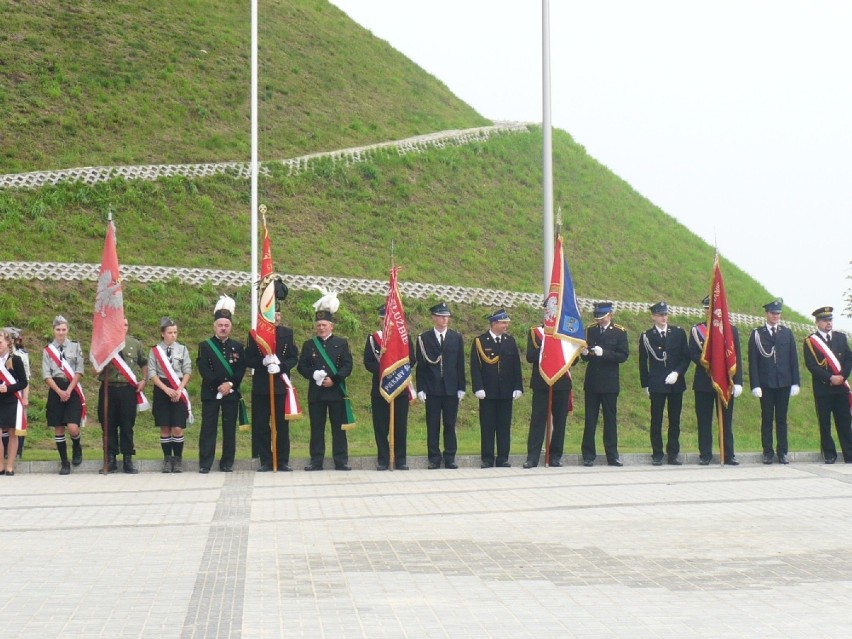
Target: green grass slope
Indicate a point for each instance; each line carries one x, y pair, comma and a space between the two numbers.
103, 83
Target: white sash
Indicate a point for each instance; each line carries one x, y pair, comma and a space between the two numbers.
20, 412
127, 373
62, 364
174, 381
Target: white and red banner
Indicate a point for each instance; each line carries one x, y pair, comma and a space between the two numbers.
108, 320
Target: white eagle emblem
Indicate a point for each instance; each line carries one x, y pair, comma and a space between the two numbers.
109, 294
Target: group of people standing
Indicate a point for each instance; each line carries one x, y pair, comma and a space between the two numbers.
439, 381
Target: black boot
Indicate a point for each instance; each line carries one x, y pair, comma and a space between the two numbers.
76, 452
167, 464
129, 468
177, 464
112, 465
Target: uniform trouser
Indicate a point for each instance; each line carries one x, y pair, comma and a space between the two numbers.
593, 403
705, 409
437, 407
120, 417
658, 405
495, 422
336, 412
381, 428
538, 424
836, 404
261, 430
210, 426
773, 407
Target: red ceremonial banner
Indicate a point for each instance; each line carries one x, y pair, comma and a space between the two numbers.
394, 365
264, 334
718, 356
108, 321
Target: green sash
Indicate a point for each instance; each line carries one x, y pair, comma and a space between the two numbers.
349, 424
243, 416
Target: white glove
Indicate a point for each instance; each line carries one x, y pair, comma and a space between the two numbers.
671, 378
757, 392
319, 376
738, 390
271, 359
460, 395
597, 350
794, 390
480, 394
421, 396
647, 391
273, 369
585, 351
516, 394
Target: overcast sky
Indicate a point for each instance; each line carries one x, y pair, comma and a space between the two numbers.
734, 116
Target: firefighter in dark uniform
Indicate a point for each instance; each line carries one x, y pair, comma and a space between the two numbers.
607, 348
284, 359
495, 376
773, 366
325, 395
380, 407
829, 359
663, 362
562, 404
220, 389
705, 396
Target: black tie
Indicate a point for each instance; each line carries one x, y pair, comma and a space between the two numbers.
497, 339
828, 338
772, 331
441, 341
62, 351
169, 352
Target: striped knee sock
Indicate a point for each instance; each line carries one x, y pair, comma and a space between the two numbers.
62, 447
177, 446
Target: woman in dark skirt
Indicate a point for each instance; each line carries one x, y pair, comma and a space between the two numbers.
19, 350
169, 367
13, 381
62, 368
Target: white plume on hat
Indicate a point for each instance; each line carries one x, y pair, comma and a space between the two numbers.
225, 303
328, 301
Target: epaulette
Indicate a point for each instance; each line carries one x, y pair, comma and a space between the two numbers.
619, 327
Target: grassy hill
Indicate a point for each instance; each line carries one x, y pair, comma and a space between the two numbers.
96, 83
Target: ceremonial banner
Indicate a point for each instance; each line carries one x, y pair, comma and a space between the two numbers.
394, 365
564, 336
264, 334
718, 356
108, 321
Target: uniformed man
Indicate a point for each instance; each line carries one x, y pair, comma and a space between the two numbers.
440, 384
829, 359
125, 376
773, 366
222, 364
607, 348
62, 368
560, 407
277, 365
380, 407
706, 396
663, 362
326, 362
495, 376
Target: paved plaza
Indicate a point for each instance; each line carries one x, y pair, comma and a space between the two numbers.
690, 551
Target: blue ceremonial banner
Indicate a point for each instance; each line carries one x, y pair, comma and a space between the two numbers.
564, 336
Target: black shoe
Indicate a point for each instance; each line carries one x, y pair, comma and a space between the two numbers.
731, 461
342, 467
10, 473
675, 461
451, 465
285, 468
167, 465
656, 461
433, 466
588, 463
264, 468
484, 465
77, 455
830, 460
556, 463
704, 461
615, 462
767, 458
65, 468
401, 467
177, 464
504, 465
529, 465
313, 467
782, 459
226, 469
203, 471
112, 464
382, 467
128, 467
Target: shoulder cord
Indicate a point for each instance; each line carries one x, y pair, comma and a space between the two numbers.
651, 350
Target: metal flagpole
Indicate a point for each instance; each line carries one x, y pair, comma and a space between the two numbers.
254, 167
547, 159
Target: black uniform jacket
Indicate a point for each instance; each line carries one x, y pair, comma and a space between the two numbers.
652, 372
499, 379
536, 380
213, 372
602, 371
311, 360
818, 366
428, 376
287, 353
20, 375
702, 382
781, 368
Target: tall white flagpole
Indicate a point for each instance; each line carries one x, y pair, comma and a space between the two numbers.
254, 165
547, 159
